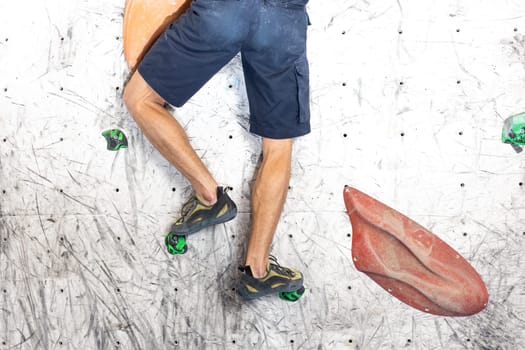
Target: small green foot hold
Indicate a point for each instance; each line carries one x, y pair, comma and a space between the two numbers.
115, 139
292, 296
514, 132
176, 244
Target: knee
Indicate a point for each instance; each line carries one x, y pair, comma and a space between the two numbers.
127, 97
132, 100
138, 96
277, 150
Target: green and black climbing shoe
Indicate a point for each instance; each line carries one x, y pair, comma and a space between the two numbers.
279, 279
195, 215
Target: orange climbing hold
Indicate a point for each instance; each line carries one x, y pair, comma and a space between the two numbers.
410, 262
144, 21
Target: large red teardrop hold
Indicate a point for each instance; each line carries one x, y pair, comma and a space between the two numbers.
410, 262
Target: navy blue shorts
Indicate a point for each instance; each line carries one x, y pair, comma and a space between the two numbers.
271, 37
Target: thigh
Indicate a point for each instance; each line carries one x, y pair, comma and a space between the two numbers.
276, 70
194, 48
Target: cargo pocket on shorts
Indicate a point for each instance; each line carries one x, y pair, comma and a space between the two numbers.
303, 89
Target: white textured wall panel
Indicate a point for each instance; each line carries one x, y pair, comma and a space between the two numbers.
408, 100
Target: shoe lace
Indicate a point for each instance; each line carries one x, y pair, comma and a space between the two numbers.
281, 269
187, 208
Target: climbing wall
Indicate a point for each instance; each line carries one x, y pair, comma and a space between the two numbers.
408, 100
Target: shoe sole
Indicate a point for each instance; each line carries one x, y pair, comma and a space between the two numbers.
296, 286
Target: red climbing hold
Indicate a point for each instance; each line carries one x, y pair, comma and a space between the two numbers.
410, 262
144, 21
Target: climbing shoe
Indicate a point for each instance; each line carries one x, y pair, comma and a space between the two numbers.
195, 215
279, 279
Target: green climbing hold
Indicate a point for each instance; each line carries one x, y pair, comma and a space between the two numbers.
514, 131
292, 296
176, 244
115, 139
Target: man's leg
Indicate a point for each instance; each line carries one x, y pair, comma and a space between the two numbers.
268, 197
168, 137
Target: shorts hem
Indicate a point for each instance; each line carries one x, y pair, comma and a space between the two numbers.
272, 134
